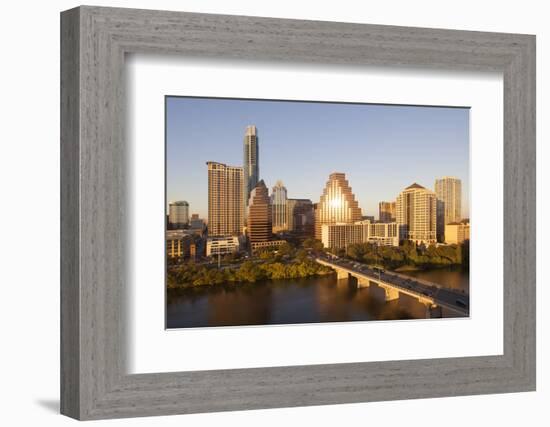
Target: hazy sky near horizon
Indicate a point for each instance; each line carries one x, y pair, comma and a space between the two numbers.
381, 148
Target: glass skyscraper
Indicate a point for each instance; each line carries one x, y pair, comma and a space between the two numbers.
279, 207
259, 215
250, 161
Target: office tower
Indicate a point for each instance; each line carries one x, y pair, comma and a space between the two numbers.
279, 209
301, 217
337, 204
416, 210
225, 199
259, 226
448, 191
251, 161
386, 211
178, 214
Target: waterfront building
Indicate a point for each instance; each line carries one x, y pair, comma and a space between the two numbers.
178, 214
415, 210
222, 245
448, 191
456, 233
340, 236
259, 226
337, 204
386, 211
177, 243
225, 199
301, 217
251, 161
279, 209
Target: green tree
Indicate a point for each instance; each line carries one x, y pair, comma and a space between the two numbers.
286, 249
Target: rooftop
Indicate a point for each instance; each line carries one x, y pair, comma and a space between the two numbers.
414, 185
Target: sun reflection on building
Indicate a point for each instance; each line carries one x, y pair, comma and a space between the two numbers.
337, 204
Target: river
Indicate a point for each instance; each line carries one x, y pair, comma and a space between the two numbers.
291, 301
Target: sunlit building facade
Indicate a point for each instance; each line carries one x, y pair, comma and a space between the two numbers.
336, 205
225, 199
456, 233
178, 243
279, 209
222, 245
416, 211
448, 191
340, 236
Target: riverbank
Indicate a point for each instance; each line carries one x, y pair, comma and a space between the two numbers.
191, 275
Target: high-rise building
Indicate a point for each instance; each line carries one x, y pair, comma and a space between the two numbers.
448, 191
301, 217
259, 226
386, 211
225, 200
178, 214
416, 210
337, 204
279, 208
251, 161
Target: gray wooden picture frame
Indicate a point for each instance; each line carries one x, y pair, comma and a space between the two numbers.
94, 382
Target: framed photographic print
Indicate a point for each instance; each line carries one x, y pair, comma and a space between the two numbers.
345, 212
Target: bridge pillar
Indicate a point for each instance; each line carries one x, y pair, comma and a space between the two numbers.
362, 282
390, 293
433, 311
342, 274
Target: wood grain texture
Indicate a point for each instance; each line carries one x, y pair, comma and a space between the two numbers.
70, 314
94, 381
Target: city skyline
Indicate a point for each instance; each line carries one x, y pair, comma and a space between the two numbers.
397, 145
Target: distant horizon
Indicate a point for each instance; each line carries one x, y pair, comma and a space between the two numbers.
382, 149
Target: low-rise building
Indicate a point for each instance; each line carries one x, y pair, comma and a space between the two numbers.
456, 233
177, 243
221, 245
270, 244
340, 236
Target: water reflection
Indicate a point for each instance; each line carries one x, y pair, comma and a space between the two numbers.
309, 300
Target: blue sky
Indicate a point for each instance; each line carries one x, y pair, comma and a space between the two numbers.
381, 148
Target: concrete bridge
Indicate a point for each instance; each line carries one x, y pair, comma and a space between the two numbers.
434, 297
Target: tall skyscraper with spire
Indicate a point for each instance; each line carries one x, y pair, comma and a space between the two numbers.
250, 161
